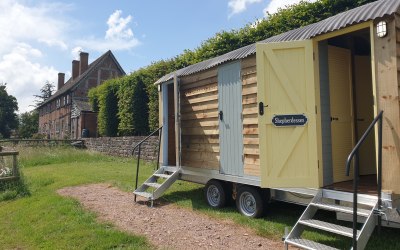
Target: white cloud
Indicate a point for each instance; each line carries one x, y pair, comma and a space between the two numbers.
24, 78
119, 36
274, 5
76, 51
26, 29
238, 6
20, 22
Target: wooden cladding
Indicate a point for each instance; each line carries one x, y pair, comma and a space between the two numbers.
200, 121
250, 117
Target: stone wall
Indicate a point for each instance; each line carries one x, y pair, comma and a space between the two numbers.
122, 146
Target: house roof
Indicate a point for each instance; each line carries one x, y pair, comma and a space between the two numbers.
70, 84
354, 16
82, 104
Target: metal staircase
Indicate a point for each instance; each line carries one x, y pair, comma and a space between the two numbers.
335, 201
161, 180
158, 183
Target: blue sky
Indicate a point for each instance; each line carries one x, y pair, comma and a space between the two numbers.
40, 38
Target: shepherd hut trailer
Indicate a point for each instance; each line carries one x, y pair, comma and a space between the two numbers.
277, 120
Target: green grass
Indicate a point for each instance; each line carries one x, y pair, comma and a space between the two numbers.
43, 219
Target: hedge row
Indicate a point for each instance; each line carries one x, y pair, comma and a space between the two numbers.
137, 89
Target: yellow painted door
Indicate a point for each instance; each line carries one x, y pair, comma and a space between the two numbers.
341, 106
286, 86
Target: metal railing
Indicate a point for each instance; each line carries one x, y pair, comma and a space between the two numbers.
378, 119
138, 146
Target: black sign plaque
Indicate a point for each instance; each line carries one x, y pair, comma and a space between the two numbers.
289, 120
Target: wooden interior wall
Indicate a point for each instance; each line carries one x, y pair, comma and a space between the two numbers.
171, 126
199, 120
250, 117
387, 67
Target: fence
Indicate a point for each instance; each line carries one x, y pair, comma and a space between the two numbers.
8, 165
37, 142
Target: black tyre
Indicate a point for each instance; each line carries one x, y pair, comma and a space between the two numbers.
249, 202
215, 194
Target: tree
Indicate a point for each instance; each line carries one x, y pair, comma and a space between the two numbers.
8, 115
45, 92
28, 124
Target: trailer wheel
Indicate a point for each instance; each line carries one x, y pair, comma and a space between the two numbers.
249, 202
215, 194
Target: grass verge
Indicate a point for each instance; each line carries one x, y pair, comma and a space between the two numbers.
45, 220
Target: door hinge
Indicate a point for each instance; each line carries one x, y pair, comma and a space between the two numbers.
316, 109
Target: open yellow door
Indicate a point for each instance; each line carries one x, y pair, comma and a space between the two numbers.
287, 117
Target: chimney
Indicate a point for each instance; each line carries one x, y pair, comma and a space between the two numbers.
84, 62
61, 80
75, 69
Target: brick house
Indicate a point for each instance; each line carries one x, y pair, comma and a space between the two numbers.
67, 113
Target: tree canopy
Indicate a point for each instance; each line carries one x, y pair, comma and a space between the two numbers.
8, 115
28, 124
45, 92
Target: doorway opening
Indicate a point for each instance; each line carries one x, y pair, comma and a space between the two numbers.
169, 149
347, 104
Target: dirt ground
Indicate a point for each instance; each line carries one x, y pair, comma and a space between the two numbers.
167, 226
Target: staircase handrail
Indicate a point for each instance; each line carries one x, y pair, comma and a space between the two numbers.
378, 119
145, 139
138, 157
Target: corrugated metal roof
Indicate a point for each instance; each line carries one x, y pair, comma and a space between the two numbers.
354, 16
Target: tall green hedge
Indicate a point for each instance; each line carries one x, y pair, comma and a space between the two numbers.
286, 19
105, 97
133, 106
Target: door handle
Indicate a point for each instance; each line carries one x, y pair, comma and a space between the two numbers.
334, 118
261, 108
221, 115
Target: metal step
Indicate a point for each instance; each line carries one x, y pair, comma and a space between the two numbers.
308, 244
329, 227
365, 199
339, 208
164, 176
159, 188
170, 169
152, 184
143, 194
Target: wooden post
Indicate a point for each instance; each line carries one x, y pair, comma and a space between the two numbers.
386, 70
177, 122
15, 166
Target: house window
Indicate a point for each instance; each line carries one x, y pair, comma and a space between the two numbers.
67, 99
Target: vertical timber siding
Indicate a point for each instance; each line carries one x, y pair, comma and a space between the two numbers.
387, 52
250, 117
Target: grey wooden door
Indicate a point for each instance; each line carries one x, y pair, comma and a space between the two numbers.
230, 119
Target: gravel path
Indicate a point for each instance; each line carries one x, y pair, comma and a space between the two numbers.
167, 226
